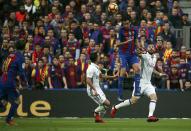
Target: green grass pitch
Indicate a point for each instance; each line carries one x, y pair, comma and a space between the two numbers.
87, 124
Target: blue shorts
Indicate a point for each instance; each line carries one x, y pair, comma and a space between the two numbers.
128, 60
9, 94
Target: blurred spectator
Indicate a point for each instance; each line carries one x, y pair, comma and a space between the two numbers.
183, 52
21, 14
159, 46
43, 8
73, 45
54, 42
37, 54
62, 61
54, 11
4, 50
91, 46
28, 71
46, 53
96, 34
38, 75
29, 44
159, 82
174, 81
110, 42
56, 78
167, 52
175, 19
183, 69
175, 58
76, 30
177, 6
30, 8
71, 74
82, 66
134, 19
185, 21
188, 86
39, 34
167, 35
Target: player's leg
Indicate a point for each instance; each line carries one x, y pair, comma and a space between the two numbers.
121, 77
101, 110
125, 103
103, 104
152, 105
3, 100
13, 98
3, 104
134, 61
150, 92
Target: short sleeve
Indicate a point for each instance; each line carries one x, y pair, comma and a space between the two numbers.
89, 72
144, 56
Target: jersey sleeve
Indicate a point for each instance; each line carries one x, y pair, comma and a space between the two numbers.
89, 72
155, 59
144, 56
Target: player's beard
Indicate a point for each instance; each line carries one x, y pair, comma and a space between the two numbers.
151, 52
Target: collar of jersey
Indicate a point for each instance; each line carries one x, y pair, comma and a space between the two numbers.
95, 65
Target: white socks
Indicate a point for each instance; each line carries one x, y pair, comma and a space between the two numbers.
123, 104
127, 102
100, 108
152, 106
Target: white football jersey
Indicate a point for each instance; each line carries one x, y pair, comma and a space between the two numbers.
147, 66
93, 72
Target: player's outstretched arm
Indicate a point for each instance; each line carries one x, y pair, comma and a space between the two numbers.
123, 43
109, 77
159, 73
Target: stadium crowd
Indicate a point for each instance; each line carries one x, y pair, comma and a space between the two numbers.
61, 34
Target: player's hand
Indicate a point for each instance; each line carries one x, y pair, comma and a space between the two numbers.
115, 76
94, 92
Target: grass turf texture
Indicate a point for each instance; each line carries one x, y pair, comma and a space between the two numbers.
87, 124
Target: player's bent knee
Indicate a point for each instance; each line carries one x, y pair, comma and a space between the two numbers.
136, 68
106, 107
106, 102
134, 100
153, 97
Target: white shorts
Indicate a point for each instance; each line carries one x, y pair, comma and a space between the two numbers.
99, 99
146, 89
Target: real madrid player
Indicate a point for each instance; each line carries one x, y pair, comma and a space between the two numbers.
148, 61
93, 76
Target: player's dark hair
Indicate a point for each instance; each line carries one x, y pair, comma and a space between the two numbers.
93, 57
20, 45
149, 42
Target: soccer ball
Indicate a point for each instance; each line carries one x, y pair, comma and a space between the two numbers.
113, 8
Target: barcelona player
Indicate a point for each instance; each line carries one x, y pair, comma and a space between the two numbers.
12, 69
128, 57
